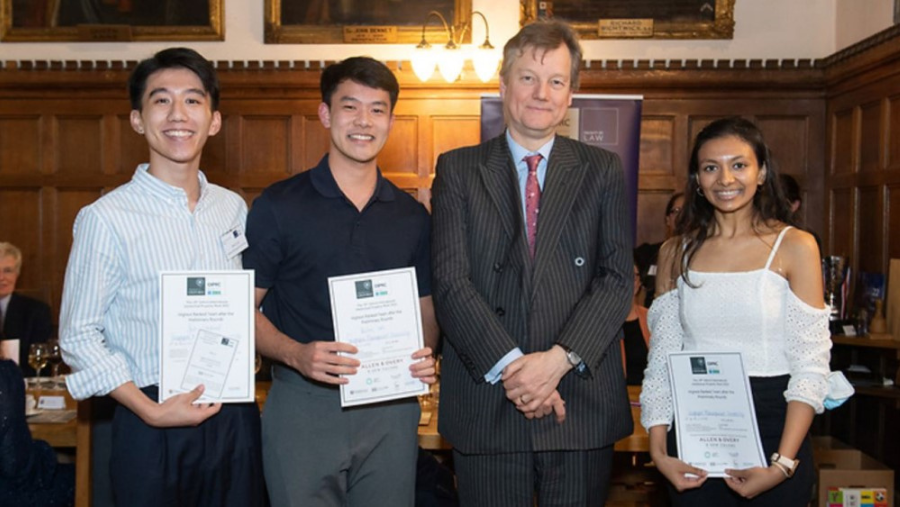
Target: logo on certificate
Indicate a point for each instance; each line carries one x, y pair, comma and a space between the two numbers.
196, 286
364, 289
698, 365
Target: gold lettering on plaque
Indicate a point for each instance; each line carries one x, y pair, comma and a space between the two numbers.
370, 34
625, 28
104, 33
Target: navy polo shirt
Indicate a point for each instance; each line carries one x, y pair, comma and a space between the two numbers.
303, 230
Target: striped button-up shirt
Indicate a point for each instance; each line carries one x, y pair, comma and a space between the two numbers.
109, 320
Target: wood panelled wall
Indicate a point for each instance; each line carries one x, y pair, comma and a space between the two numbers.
863, 175
862, 189
65, 137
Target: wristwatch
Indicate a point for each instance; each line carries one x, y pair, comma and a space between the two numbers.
787, 465
575, 360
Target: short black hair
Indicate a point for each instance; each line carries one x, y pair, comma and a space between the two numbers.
363, 70
174, 58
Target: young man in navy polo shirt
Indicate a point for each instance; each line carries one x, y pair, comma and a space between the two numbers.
341, 217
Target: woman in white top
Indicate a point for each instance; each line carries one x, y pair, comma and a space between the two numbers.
737, 276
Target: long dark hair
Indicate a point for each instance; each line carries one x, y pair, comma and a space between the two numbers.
697, 218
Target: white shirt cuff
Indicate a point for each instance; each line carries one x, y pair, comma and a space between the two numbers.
496, 372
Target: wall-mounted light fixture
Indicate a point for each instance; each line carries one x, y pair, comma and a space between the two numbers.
450, 58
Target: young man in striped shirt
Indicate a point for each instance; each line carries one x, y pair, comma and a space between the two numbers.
168, 217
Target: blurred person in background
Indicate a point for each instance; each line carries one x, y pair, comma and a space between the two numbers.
21, 317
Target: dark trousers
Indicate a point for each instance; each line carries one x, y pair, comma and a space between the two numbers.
216, 464
554, 478
771, 409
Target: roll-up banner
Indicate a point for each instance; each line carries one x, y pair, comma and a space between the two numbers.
612, 122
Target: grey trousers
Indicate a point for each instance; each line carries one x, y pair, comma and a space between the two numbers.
317, 454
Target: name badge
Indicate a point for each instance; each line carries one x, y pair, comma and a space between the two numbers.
234, 242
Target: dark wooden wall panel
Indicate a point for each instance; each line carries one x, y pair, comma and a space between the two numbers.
79, 145
657, 135
870, 226
871, 131
21, 225
842, 224
844, 142
893, 133
266, 144
20, 144
892, 214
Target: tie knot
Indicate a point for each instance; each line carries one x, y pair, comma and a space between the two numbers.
532, 162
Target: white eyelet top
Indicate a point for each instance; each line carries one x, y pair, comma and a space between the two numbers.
754, 312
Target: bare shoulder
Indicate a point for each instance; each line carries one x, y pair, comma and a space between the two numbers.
799, 246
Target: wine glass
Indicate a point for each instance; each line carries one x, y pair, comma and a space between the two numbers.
38, 355
54, 355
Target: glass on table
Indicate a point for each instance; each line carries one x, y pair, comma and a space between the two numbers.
54, 355
38, 356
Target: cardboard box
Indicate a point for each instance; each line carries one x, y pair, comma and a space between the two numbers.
848, 468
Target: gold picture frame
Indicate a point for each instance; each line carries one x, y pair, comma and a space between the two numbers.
111, 20
685, 19
370, 22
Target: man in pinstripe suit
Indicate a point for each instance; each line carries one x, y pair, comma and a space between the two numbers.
533, 395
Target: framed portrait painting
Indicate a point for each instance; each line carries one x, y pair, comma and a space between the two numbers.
627, 19
362, 21
111, 20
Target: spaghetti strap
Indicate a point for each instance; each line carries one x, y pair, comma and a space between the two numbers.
777, 244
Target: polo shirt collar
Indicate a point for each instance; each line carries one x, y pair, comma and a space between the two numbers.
324, 183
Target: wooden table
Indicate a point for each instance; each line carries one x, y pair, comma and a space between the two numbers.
58, 435
639, 440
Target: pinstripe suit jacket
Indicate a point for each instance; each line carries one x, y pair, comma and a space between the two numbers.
490, 296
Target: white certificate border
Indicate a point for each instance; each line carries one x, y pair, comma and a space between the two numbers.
413, 281
250, 394
749, 400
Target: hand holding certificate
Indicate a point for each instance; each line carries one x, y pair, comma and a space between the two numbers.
379, 314
715, 419
207, 335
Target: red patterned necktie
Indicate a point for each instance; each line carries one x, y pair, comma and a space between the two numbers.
532, 199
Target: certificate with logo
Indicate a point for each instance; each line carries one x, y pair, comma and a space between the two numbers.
207, 335
379, 314
715, 420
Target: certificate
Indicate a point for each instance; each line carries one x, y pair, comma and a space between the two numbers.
379, 314
715, 420
207, 335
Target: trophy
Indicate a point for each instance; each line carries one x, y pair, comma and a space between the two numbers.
834, 273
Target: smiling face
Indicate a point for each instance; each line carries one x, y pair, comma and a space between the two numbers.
359, 119
176, 118
536, 94
729, 174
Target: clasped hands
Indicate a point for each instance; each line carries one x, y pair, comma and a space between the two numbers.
531, 380
327, 362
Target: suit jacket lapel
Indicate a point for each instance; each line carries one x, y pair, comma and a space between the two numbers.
501, 183
564, 174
